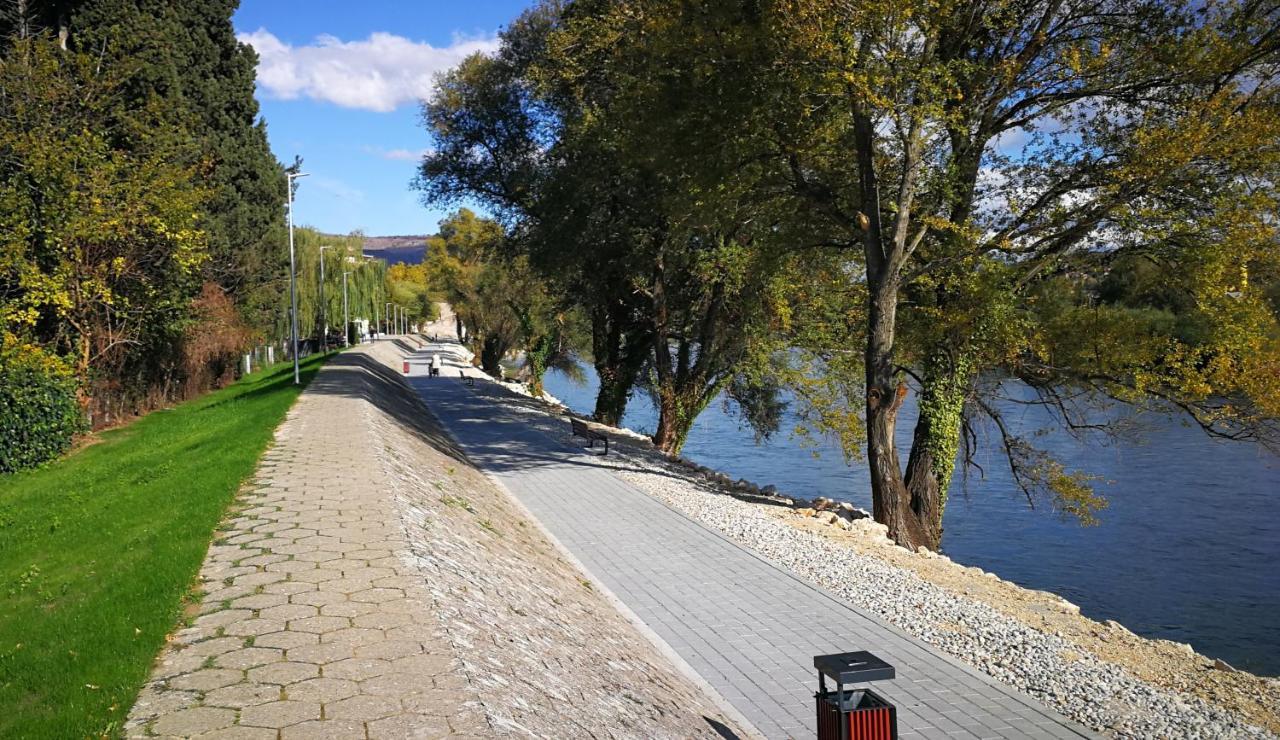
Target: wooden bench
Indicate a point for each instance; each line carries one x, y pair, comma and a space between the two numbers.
580, 429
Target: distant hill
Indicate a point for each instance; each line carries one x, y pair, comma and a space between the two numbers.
396, 249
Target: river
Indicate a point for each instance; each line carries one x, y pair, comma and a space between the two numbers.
1188, 549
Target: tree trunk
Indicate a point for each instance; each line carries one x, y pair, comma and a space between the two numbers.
936, 440
491, 352
891, 501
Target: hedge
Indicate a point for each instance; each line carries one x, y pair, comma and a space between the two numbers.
39, 413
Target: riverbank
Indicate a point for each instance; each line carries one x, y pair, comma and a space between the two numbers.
1097, 673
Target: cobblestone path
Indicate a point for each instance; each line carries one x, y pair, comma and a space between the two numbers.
349, 596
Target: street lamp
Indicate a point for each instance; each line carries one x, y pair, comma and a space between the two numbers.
387, 317
346, 323
324, 313
293, 279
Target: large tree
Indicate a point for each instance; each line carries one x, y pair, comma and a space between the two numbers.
972, 169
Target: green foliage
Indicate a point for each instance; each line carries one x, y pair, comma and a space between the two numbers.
101, 246
99, 552
39, 413
368, 285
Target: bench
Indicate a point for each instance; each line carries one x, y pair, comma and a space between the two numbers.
471, 382
580, 429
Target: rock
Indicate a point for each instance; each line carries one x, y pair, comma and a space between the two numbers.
1221, 665
770, 489
806, 512
822, 503
831, 518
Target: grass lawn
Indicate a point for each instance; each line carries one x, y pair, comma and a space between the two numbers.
99, 551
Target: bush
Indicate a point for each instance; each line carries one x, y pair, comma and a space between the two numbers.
39, 413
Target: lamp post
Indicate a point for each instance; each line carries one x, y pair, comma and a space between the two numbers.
346, 322
387, 317
293, 279
324, 313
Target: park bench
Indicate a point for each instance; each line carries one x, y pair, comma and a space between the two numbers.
580, 429
471, 382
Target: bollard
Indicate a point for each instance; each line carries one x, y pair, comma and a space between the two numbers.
248, 363
271, 354
853, 714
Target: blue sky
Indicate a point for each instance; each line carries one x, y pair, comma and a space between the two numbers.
339, 82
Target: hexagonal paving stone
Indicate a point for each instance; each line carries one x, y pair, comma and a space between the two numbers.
259, 601
286, 612
319, 624
382, 620
254, 627
206, 680
216, 646
354, 636
222, 618
409, 725
322, 653
242, 695
318, 556
279, 713
323, 690
395, 684
194, 721
379, 595
249, 657
239, 732
357, 669
286, 640
289, 587
325, 729
284, 673
366, 708
259, 579
389, 649
427, 664
291, 566
347, 609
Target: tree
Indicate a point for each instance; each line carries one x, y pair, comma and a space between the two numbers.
880, 137
100, 247
186, 86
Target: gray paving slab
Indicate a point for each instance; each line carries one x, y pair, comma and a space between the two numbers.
749, 628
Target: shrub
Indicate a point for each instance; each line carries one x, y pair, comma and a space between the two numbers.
39, 412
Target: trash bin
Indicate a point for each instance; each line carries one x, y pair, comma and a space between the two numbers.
406, 367
853, 714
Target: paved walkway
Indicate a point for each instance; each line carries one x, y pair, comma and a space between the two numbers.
315, 622
747, 627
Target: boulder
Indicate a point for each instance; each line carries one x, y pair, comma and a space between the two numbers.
806, 512
770, 489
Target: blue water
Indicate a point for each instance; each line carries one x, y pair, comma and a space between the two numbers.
1187, 550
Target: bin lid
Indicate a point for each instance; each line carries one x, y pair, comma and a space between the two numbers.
854, 667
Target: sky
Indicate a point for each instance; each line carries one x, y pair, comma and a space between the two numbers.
339, 84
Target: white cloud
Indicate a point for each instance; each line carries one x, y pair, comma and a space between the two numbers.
379, 73
398, 155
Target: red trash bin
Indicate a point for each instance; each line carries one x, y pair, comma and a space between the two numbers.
406, 367
853, 714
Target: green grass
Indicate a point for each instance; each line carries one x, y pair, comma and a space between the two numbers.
99, 552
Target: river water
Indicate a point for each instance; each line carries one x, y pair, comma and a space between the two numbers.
1188, 550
